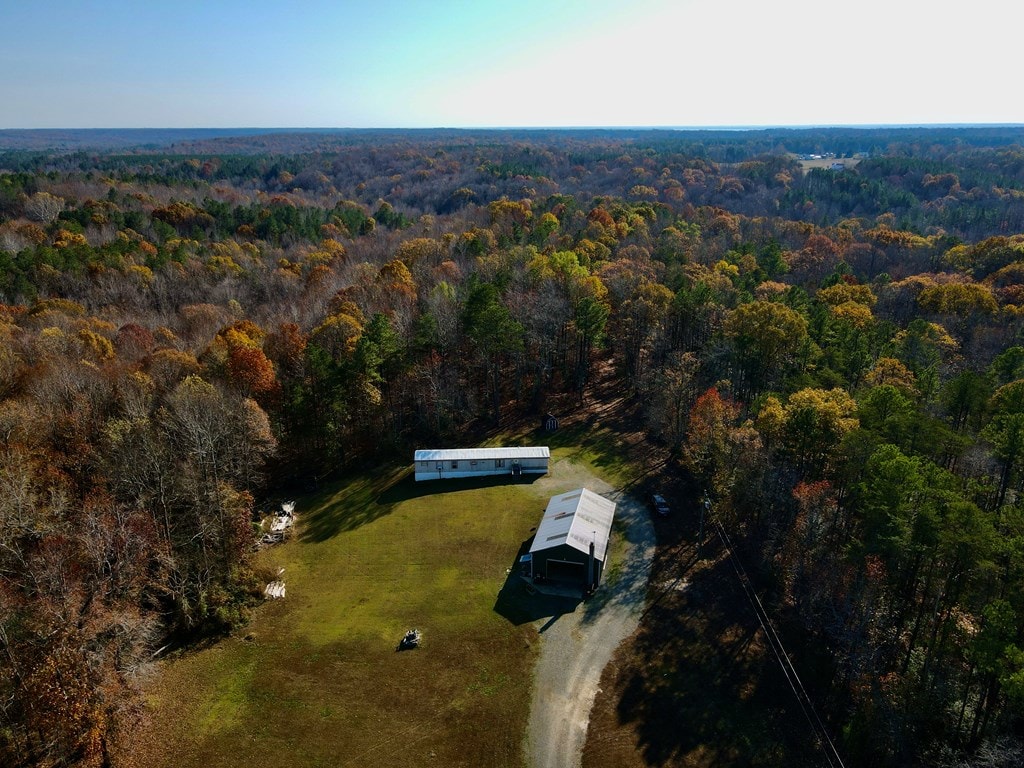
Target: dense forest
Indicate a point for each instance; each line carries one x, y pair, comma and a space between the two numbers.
833, 354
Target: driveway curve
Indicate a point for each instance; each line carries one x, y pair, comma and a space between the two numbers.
576, 646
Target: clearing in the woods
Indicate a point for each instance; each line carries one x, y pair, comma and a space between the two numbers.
315, 678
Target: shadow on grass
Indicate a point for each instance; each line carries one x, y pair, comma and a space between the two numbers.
702, 683
407, 488
516, 604
609, 438
349, 503
356, 500
592, 439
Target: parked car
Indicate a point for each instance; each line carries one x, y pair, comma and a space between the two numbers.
660, 505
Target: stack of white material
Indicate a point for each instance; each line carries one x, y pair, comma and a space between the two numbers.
274, 590
283, 521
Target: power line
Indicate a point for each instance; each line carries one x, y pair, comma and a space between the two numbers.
797, 686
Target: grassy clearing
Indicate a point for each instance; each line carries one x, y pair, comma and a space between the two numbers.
593, 441
826, 162
315, 679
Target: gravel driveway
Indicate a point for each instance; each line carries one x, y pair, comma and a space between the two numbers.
576, 646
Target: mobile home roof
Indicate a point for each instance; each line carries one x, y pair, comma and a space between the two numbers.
470, 454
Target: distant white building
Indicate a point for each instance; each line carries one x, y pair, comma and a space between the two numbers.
438, 464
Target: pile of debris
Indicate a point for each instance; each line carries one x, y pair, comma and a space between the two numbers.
274, 590
280, 525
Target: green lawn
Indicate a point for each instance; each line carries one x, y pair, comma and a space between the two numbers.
315, 678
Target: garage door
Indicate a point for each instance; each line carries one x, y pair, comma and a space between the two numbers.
564, 570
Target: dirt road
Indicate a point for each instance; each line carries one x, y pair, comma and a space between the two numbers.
576, 646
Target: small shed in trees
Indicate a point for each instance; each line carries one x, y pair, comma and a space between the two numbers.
571, 545
437, 464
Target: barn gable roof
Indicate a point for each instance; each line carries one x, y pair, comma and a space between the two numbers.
470, 454
576, 518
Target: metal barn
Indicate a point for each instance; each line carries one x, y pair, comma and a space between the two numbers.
571, 545
432, 464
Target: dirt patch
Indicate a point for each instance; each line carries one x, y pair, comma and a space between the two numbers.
567, 475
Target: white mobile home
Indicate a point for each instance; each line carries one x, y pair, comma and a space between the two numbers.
438, 464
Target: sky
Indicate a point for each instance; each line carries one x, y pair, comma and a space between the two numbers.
488, 63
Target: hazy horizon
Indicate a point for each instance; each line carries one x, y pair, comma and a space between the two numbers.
369, 128
403, 64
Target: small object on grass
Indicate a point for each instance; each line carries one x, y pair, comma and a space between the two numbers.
411, 639
274, 589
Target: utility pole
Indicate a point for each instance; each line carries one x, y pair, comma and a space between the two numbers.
705, 509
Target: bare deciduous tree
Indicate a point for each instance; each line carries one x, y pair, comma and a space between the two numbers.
43, 206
